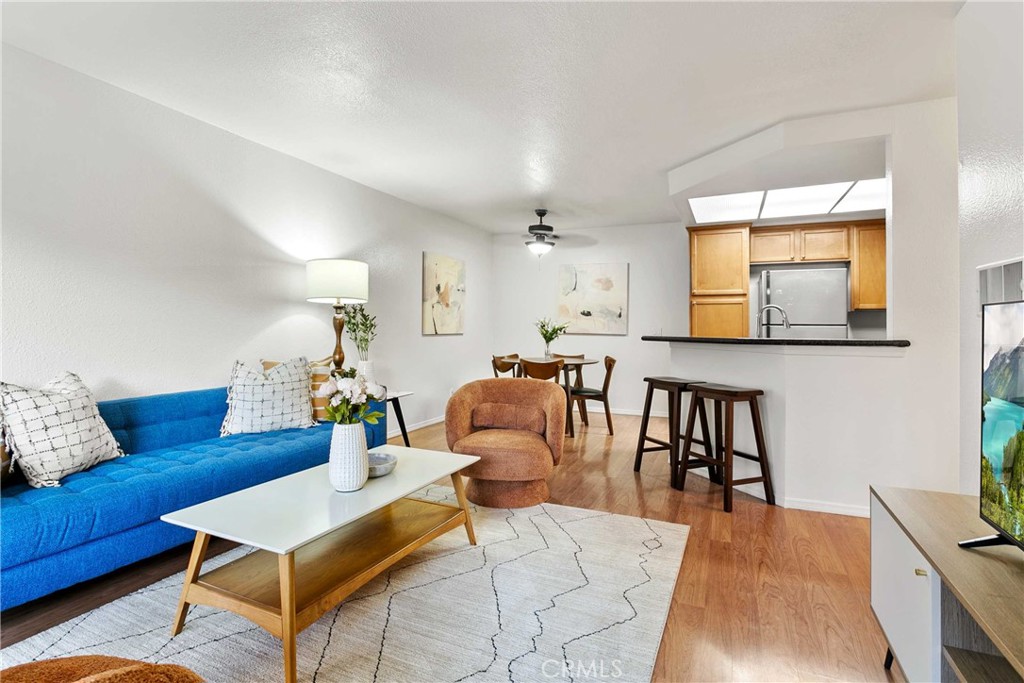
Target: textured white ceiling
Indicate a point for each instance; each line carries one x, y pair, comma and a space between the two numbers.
484, 111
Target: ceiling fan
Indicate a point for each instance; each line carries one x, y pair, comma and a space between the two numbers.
542, 236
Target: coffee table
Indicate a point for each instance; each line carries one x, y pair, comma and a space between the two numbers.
315, 546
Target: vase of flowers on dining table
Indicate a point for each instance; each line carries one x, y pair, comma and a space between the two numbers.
549, 332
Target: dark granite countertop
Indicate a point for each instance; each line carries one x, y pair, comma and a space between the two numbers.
750, 341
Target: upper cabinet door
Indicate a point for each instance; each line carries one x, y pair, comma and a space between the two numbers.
825, 243
867, 268
720, 260
772, 246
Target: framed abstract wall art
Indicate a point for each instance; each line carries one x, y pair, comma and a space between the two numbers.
444, 294
593, 298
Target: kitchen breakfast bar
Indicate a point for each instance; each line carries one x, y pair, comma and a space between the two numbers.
831, 429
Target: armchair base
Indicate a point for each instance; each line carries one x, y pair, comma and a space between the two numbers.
507, 494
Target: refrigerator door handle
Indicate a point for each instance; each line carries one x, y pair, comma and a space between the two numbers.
764, 287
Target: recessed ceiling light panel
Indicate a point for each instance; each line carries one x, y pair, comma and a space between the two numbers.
803, 201
726, 207
866, 195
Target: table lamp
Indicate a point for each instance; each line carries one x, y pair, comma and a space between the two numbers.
337, 282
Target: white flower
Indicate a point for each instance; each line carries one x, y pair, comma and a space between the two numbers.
336, 400
327, 388
375, 390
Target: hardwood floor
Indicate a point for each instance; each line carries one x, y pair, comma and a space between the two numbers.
764, 593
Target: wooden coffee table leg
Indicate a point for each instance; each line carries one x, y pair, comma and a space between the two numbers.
195, 563
460, 493
286, 571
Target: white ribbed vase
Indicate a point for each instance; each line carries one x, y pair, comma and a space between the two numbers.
349, 464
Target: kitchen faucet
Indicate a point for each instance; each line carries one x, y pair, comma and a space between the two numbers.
780, 309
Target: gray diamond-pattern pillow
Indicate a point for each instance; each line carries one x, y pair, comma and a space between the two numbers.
56, 430
261, 401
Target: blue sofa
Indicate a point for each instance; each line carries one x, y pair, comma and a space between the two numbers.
109, 516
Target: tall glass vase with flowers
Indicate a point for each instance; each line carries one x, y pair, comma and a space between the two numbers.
549, 332
349, 404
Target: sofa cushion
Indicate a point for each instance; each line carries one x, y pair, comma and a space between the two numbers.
506, 455
149, 423
134, 490
268, 400
509, 416
56, 430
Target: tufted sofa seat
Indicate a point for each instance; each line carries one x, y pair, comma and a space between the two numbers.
108, 516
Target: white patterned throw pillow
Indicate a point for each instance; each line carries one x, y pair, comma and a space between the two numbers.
56, 430
261, 401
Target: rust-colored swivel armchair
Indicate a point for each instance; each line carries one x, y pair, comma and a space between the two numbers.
517, 428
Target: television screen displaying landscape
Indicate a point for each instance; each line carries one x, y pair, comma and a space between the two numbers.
1002, 427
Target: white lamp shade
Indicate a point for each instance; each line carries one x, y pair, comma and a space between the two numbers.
337, 281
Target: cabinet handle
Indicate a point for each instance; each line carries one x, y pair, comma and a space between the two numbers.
921, 572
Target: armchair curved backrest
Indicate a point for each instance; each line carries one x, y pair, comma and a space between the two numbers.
534, 393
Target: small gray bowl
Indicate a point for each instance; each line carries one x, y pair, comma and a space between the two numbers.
382, 464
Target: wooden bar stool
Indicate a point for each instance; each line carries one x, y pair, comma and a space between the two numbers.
675, 388
725, 397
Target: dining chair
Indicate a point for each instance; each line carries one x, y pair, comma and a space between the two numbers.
580, 395
578, 382
501, 366
550, 370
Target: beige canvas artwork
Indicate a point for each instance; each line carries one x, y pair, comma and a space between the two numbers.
594, 298
444, 294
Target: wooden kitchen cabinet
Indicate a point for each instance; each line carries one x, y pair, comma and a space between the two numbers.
719, 316
824, 243
772, 246
720, 260
867, 267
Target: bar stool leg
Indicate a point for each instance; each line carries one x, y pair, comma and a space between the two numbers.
684, 454
719, 447
729, 424
714, 472
643, 428
762, 451
674, 417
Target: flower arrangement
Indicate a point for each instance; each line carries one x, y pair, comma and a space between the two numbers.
549, 331
362, 328
348, 398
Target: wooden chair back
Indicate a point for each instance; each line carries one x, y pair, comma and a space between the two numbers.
609, 365
544, 370
578, 382
501, 366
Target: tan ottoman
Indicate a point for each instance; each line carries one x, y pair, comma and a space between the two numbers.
97, 668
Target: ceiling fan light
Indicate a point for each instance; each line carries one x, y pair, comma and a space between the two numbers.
539, 246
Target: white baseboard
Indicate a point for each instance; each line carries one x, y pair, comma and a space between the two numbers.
831, 508
757, 491
392, 433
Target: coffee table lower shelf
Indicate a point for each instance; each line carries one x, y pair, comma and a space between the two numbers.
284, 594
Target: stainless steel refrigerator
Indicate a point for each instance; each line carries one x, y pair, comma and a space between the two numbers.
816, 302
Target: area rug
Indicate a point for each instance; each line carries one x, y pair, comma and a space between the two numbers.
551, 593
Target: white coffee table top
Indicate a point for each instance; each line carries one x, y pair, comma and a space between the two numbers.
287, 513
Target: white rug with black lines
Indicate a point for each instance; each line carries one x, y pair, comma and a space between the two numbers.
550, 593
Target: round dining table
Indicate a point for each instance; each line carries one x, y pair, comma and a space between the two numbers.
568, 365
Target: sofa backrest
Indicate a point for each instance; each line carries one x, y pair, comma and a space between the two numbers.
149, 423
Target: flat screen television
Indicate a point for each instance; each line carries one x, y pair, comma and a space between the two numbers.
1002, 425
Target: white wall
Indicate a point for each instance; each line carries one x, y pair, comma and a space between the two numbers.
990, 118
147, 250
526, 288
840, 420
